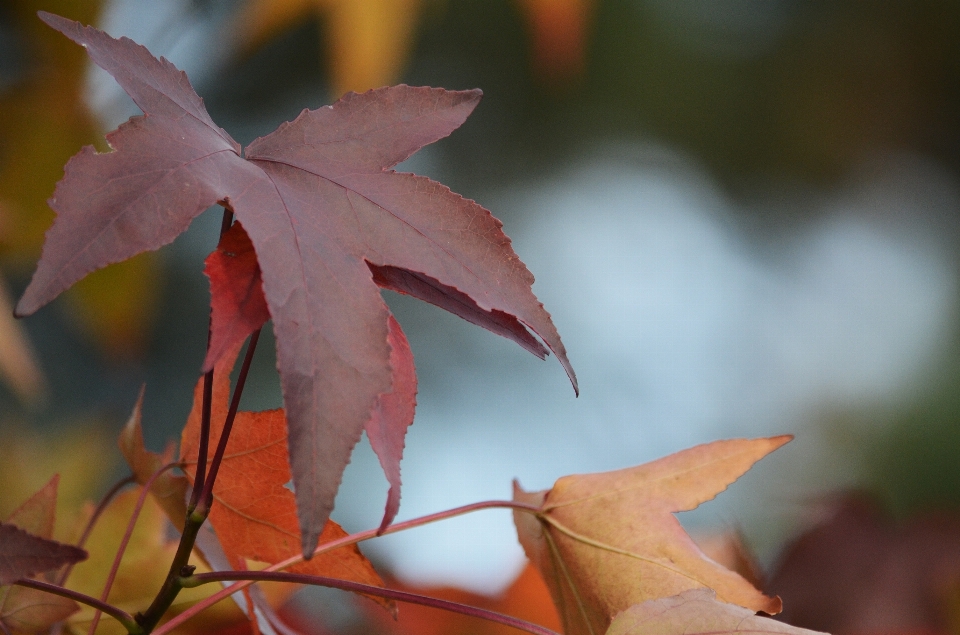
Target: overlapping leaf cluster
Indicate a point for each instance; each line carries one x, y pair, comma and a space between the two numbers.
322, 225
329, 223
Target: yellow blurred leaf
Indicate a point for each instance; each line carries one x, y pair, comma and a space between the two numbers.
43, 122
142, 572
369, 39
76, 454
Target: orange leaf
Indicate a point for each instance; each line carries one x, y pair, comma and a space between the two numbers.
605, 542
254, 514
558, 29
527, 598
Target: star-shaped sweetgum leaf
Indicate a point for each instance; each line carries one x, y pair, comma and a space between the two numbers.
607, 541
329, 220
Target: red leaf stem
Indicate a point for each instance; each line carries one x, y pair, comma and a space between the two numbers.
207, 496
117, 613
357, 587
102, 505
226, 592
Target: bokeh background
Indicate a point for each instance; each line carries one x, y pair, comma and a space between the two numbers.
742, 215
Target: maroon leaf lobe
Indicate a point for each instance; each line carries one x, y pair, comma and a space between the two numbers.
23, 555
392, 415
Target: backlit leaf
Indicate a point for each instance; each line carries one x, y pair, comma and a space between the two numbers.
24, 610
38, 514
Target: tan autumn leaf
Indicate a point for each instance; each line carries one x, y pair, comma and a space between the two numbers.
607, 541
169, 489
696, 611
369, 39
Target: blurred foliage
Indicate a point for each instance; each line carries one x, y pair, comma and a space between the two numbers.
43, 122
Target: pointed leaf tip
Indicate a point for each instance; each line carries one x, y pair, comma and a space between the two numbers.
23, 555
606, 541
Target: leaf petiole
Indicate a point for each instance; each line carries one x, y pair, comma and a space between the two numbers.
102, 505
357, 587
206, 498
118, 614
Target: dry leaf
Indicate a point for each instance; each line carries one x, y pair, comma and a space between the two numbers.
24, 610
696, 611
607, 541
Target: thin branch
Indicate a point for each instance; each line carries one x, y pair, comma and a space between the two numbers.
205, 407
206, 498
102, 505
368, 589
118, 614
226, 592
125, 540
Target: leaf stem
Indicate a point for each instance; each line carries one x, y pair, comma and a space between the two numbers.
118, 614
198, 483
369, 589
125, 541
102, 505
206, 498
205, 409
343, 542
148, 620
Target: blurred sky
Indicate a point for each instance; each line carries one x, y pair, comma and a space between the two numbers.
741, 214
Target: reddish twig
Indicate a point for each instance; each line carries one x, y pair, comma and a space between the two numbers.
206, 498
226, 592
118, 614
102, 505
368, 589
